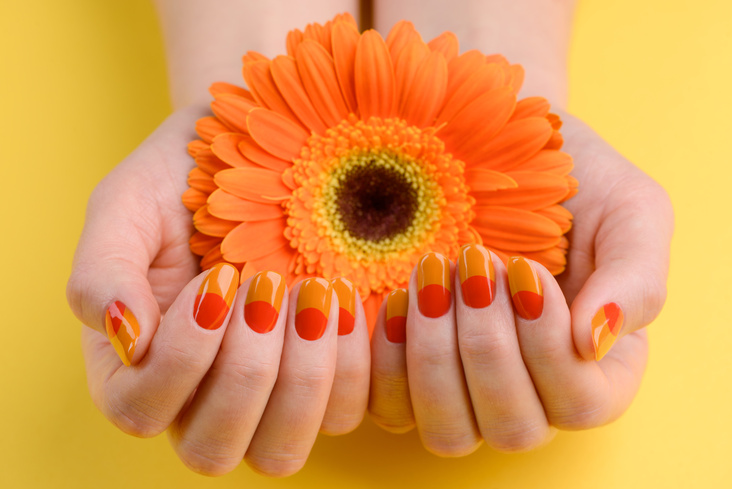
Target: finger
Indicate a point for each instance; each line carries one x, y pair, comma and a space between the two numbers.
296, 407
390, 404
575, 393
440, 398
350, 392
145, 399
507, 408
627, 289
213, 433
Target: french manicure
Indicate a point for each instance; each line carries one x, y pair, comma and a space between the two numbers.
313, 308
606, 326
526, 290
477, 276
433, 285
346, 305
123, 330
397, 304
264, 300
215, 296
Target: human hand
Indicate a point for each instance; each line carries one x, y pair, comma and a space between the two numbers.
225, 391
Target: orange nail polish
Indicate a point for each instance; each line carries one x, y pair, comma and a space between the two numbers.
215, 296
264, 299
433, 285
606, 326
346, 305
397, 304
313, 308
122, 330
477, 276
526, 291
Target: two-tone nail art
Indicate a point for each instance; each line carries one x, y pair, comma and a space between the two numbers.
313, 308
346, 305
215, 296
526, 290
397, 304
606, 325
264, 300
122, 330
477, 276
434, 295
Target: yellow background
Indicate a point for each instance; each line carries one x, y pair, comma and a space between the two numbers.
82, 82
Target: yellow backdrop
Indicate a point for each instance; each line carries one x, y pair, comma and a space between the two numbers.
82, 82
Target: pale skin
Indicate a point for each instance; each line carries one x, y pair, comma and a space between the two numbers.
232, 394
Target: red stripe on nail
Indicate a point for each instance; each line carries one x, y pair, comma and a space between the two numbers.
310, 323
478, 291
612, 313
345, 322
396, 329
211, 311
434, 300
529, 305
260, 316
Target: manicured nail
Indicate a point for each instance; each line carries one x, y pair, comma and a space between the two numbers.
606, 326
433, 285
477, 276
346, 305
215, 296
264, 299
313, 307
526, 291
397, 303
123, 330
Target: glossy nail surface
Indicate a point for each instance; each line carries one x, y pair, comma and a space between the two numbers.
526, 290
215, 296
397, 305
346, 305
433, 285
264, 299
122, 330
313, 308
606, 326
477, 276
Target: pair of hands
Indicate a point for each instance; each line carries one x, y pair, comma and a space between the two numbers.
232, 393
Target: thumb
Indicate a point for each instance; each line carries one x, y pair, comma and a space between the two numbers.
109, 289
628, 287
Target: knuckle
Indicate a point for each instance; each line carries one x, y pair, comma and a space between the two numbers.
513, 435
309, 377
449, 441
484, 348
577, 414
337, 423
136, 417
183, 362
207, 457
276, 464
254, 377
431, 355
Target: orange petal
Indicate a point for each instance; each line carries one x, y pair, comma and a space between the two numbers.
195, 146
447, 44
517, 77
212, 225
375, 86
221, 88
554, 259
284, 72
212, 258
516, 143
345, 41
208, 128
548, 161
555, 121
208, 162
258, 185
252, 56
252, 240
253, 152
482, 79
507, 228
345, 17
427, 93
279, 261
400, 36
201, 181
531, 107
555, 141
406, 67
223, 205
246, 271
535, 190
232, 111
319, 34
294, 38
462, 67
319, 78
481, 180
258, 76
371, 309
276, 134
194, 199
226, 147
558, 214
201, 243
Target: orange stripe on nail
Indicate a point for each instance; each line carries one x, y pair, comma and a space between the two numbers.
313, 308
526, 290
123, 330
397, 305
347, 305
477, 276
433, 285
264, 300
606, 325
215, 296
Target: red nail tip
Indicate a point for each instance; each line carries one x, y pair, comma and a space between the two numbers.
310, 323
211, 311
478, 291
261, 316
528, 304
434, 300
612, 312
345, 322
396, 329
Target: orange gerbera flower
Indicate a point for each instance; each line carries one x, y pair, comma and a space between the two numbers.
353, 156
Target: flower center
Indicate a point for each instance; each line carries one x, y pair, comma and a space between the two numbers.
375, 200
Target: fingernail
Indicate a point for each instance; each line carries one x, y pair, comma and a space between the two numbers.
433, 285
264, 299
215, 296
526, 291
606, 326
313, 307
477, 276
346, 305
123, 330
397, 304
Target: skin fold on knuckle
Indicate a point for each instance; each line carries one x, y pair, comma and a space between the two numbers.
482, 348
142, 418
449, 441
510, 434
336, 423
277, 462
251, 378
582, 412
211, 456
389, 404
